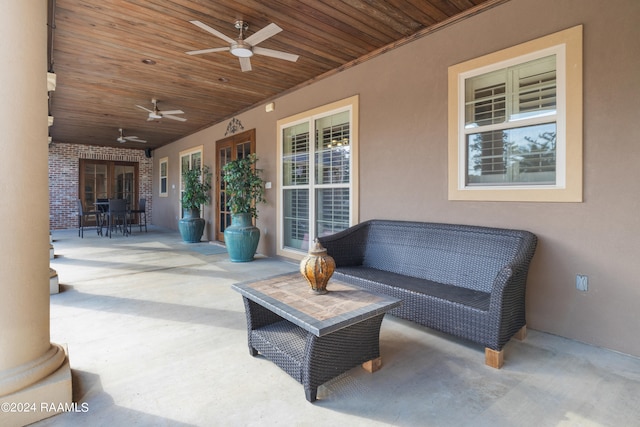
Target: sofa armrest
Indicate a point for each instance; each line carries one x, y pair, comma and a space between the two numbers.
347, 247
511, 280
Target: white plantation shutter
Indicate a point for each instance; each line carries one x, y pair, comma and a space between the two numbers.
510, 125
296, 185
534, 88
316, 178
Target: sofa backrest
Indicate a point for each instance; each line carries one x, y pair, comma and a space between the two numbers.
467, 256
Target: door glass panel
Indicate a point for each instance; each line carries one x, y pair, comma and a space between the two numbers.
224, 157
243, 150
124, 183
95, 184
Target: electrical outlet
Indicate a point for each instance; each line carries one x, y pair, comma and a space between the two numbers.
582, 282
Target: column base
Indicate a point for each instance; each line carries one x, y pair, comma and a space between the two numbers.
46, 398
54, 283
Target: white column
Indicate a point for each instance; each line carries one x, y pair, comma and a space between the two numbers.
32, 369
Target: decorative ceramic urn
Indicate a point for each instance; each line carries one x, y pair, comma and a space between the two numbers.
317, 267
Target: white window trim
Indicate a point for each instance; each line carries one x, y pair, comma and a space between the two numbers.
567, 46
164, 160
352, 104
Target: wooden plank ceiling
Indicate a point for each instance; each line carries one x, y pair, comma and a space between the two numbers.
97, 48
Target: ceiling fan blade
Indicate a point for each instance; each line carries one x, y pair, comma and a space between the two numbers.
145, 109
200, 52
245, 64
164, 113
169, 116
213, 31
263, 34
275, 54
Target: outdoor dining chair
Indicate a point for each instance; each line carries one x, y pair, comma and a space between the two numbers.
83, 216
140, 212
117, 216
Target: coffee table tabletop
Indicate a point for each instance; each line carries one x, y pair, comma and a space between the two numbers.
290, 296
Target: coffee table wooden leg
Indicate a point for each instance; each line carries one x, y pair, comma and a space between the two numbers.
372, 365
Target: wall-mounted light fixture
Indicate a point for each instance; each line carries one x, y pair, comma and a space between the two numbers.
51, 81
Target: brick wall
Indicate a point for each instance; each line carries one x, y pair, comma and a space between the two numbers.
64, 162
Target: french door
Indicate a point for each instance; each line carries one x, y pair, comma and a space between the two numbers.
234, 147
102, 179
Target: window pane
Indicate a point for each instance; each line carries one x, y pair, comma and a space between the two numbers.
196, 160
332, 210
296, 218
296, 155
163, 177
525, 155
523, 91
184, 164
486, 99
332, 149
534, 93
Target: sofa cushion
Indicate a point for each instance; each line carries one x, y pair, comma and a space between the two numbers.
456, 294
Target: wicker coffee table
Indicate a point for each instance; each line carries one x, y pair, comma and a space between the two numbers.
314, 338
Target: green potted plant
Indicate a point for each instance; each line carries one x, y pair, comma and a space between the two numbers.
244, 189
197, 187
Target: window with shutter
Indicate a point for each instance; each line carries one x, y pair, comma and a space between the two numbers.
316, 178
164, 173
515, 123
507, 153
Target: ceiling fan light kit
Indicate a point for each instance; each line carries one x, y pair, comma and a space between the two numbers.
241, 49
244, 48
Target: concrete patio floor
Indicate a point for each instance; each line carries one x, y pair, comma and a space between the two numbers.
156, 337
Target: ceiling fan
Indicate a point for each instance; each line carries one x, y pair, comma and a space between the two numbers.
121, 139
157, 114
245, 48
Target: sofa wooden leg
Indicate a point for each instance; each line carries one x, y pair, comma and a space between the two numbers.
372, 365
494, 358
521, 334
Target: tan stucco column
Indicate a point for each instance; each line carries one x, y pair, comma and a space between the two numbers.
32, 369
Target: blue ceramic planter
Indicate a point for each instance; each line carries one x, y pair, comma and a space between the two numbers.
241, 238
191, 226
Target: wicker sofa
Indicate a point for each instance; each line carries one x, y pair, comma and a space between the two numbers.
467, 281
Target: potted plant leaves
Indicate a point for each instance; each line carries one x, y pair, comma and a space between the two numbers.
196, 193
245, 189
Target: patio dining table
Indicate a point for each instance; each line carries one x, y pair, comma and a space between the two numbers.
102, 206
